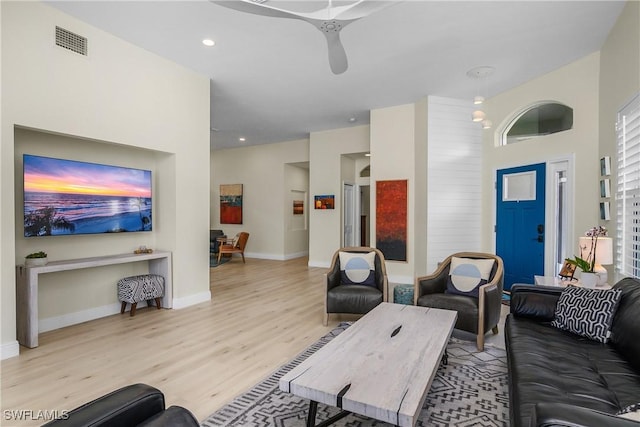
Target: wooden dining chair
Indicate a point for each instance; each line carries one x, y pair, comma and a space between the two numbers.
239, 243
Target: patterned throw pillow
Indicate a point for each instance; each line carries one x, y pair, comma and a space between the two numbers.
631, 412
466, 275
587, 312
358, 268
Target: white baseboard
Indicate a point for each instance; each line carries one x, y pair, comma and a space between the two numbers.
57, 322
190, 300
262, 255
9, 349
296, 255
321, 264
275, 257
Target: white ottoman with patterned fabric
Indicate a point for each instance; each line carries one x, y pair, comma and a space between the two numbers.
145, 287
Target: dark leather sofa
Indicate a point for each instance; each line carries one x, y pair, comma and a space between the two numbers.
133, 405
557, 378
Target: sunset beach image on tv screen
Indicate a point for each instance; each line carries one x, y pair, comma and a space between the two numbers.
72, 197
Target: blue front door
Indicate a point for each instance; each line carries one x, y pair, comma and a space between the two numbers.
520, 227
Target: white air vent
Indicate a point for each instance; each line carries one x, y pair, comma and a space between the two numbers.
71, 41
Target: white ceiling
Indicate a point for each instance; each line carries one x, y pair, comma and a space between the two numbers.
271, 79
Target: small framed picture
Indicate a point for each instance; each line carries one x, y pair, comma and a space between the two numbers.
605, 188
326, 201
568, 270
605, 166
604, 211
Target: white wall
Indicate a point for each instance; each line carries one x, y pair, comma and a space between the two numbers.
454, 180
261, 171
325, 177
575, 85
118, 94
619, 81
393, 152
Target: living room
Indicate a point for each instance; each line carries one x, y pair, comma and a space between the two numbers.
129, 107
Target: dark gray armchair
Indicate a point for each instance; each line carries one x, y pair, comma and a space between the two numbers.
214, 245
475, 315
354, 298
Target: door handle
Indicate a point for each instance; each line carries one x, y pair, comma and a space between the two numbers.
539, 239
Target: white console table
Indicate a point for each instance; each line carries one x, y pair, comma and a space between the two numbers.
27, 285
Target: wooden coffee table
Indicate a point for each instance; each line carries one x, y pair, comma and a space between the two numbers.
380, 367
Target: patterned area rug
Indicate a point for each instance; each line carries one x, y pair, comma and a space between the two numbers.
470, 391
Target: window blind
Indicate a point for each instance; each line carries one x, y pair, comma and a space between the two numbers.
628, 189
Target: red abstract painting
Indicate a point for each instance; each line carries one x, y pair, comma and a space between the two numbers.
391, 219
231, 204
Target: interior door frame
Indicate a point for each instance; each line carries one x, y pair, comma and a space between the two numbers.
561, 163
355, 208
549, 213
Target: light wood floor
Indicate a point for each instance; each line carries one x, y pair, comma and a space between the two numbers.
261, 314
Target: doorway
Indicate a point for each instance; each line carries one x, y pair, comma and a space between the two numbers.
539, 244
349, 215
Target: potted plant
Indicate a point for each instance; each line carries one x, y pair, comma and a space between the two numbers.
35, 259
587, 263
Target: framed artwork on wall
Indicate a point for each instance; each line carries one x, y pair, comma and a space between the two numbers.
605, 166
231, 204
391, 219
325, 201
605, 214
605, 187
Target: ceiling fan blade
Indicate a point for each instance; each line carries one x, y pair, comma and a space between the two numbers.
361, 9
337, 55
258, 9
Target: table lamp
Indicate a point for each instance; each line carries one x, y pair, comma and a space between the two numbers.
604, 256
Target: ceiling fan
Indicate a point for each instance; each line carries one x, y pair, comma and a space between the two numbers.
329, 21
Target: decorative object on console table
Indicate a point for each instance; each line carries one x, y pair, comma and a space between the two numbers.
588, 280
231, 204
568, 271
391, 219
143, 250
599, 250
298, 207
603, 256
36, 259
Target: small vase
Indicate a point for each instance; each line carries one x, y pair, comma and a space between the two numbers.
588, 280
35, 262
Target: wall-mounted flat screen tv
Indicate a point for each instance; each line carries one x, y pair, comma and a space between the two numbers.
72, 197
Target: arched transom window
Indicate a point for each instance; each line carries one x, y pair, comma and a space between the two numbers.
541, 119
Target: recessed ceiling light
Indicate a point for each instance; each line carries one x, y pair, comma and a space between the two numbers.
367, 155
208, 42
352, 119
242, 139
